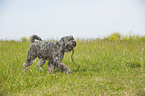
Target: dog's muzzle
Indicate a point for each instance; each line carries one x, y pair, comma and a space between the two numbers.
70, 45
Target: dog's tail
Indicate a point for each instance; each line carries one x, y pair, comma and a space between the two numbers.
35, 37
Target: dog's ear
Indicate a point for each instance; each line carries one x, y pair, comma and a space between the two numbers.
72, 37
62, 39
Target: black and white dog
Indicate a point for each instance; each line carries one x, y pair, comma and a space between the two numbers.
51, 51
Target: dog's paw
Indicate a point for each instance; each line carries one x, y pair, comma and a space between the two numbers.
68, 71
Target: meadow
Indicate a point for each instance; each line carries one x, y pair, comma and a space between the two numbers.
107, 68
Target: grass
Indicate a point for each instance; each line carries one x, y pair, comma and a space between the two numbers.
106, 68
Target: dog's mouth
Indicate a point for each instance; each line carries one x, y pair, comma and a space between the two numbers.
70, 45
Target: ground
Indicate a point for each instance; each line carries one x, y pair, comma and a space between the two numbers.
106, 68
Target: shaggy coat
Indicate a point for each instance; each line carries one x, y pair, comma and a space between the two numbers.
51, 51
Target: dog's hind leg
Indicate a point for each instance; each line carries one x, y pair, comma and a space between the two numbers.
27, 64
29, 60
40, 63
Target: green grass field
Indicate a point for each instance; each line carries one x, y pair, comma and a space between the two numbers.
106, 69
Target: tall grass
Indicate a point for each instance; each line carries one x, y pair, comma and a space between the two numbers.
106, 68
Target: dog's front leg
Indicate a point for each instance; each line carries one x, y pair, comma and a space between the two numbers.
60, 66
63, 68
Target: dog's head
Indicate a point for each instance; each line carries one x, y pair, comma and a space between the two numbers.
68, 43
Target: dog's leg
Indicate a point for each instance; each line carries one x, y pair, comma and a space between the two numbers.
27, 64
51, 67
40, 63
63, 68
29, 60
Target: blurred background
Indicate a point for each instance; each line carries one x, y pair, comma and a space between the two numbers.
81, 18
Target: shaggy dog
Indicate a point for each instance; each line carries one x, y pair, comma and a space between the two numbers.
51, 51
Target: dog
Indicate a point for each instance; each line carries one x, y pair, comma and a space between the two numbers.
51, 51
